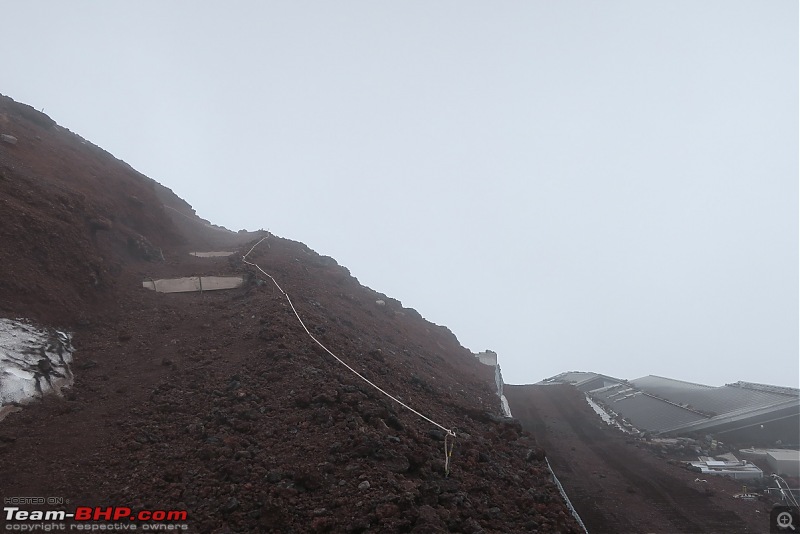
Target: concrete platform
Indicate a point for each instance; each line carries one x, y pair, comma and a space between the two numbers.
193, 283
211, 254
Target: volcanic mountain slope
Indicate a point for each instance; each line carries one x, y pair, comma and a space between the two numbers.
219, 403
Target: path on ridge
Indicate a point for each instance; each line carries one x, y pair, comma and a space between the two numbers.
618, 487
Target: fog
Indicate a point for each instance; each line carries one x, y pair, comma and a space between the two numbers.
607, 187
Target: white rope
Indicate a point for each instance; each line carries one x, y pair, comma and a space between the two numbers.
359, 375
785, 493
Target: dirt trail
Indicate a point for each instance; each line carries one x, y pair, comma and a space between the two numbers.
617, 486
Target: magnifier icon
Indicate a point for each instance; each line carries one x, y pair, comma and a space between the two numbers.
784, 520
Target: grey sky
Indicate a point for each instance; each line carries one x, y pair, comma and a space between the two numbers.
605, 186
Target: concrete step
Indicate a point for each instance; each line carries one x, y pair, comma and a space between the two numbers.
193, 283
211, 254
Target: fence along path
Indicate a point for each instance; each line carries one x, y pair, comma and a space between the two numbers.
449, 434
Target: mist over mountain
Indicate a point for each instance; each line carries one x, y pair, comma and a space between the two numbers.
220, 403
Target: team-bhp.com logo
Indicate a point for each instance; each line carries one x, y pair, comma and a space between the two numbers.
96, 518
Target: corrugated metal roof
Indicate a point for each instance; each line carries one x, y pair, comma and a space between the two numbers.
649, 413
571, 377
581, 380
667, 405
708, 399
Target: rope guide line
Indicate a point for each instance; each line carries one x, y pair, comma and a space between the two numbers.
449, 432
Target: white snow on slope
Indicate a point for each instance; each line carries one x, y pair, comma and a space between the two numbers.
609, 419
33, 362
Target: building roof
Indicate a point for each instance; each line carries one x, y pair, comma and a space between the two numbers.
645, 411
669, 406
784, 454
584, 381
713, 400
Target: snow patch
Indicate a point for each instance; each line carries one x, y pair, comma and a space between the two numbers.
608, 419
33, 362
504, 405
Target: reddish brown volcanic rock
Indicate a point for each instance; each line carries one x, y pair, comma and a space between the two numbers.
218, 402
